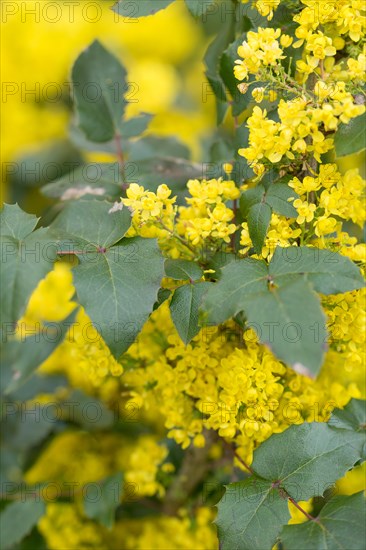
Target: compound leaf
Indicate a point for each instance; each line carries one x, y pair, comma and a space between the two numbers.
319, 456
341, 524
250, 515
239, 279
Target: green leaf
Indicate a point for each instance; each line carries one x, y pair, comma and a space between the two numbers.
135, 126
240, 101
279, 301
352, 417
184, 309
291, 322
182, 270
101, 499
351, 138
250, 515
142, 8
319, 456
16, 223
24, 263
119, 288
146, 148
92, 222
251, 198
163, 295
32, 541
80, 141
23, 357
259, 217
101, 180
100, 417
18, 519
99, 82
277, 197
24, 427
42, 166
199, 7
223, 38
170, 170
341, 524
37, 384
328, 272
239, 279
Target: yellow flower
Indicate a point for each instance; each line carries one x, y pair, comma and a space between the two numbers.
258, 94
286, 40
324, 226
305, 211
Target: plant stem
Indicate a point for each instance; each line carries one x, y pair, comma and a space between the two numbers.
297, 505
192, 472
121, 158
242, 462
236, 454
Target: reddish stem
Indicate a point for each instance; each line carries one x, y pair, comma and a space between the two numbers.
120, 156
243, 463
297, 505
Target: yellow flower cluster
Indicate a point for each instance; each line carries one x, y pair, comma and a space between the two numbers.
65, 527
298, 131
326, 200
346, 324
261, 49
207, 217
223, 382
341, 20
143, 472
336, 196
319, 105
356, 68
344, 17
99, 457
163, 533
153, 213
